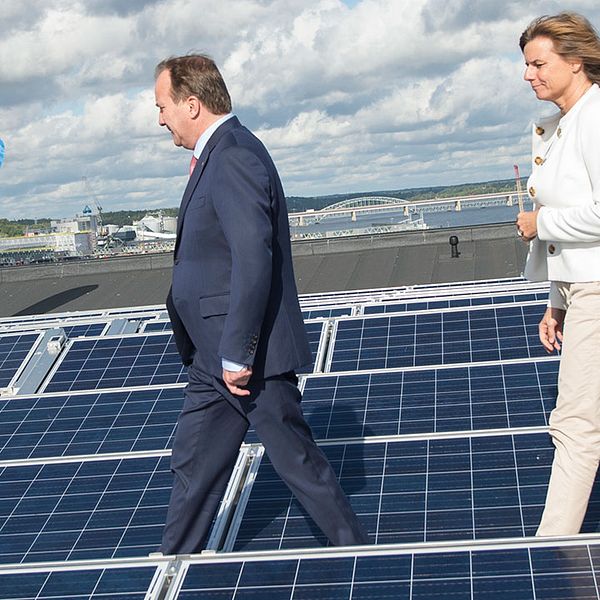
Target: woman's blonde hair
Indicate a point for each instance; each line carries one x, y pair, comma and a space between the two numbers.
573, 37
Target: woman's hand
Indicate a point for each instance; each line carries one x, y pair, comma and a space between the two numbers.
551, 328
527, 224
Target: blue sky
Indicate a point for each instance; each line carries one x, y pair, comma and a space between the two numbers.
348, 96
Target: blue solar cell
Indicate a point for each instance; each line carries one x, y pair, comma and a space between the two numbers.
83, 510
427, 490
472, 575
14, 348
97, 423
125, 583
477, 335
114, 362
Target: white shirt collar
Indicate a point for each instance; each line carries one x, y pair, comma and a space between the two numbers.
203, 139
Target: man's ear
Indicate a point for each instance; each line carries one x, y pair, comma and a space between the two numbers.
194, 107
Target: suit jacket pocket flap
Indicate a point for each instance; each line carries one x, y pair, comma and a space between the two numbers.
214, 305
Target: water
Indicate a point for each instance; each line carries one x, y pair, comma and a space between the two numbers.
396, 219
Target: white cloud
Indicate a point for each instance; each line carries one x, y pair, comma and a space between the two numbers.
348, 96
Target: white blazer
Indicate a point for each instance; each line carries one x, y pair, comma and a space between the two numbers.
565, 184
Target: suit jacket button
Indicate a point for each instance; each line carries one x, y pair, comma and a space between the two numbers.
538, 160
551, 249
540, 130
532, 192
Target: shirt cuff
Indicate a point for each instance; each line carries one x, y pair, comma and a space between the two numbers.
229, 365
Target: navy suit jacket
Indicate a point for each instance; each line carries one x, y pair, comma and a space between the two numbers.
233, 293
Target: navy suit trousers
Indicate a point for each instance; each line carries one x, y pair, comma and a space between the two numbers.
210, 429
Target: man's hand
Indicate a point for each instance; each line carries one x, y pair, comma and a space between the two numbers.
551, 328
527, 224
236, 380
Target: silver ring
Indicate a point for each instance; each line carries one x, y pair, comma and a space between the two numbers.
519, 233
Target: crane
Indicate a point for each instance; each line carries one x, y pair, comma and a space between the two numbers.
90, 192
519, 188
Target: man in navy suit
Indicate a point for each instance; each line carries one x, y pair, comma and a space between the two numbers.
237, 323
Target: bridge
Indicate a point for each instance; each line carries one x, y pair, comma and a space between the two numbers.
355, 207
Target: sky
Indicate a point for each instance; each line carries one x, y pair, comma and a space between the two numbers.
351, 96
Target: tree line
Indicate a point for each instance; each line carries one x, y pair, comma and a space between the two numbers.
295, 204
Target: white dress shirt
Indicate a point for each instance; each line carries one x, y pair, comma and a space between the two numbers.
228, 365
203, 139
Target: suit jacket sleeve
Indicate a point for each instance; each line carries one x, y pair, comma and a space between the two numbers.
242, 201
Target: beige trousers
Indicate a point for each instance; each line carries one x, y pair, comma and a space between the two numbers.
575, 422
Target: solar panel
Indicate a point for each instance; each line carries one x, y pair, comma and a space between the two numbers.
437, 338
114, 362
84, 510
43, 320
527, 573
327, 313
88, 423
434, 400
84, 329
450, 375
314, 331
14, 349
414, 491
400, 294
161, 326
336, 406
87, 584
468, 301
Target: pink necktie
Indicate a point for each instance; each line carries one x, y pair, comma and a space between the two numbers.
193, 164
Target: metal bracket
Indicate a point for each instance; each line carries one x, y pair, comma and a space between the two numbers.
38, 366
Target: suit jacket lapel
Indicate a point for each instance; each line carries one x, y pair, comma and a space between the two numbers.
198, 170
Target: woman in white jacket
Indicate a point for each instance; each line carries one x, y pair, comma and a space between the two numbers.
562, 57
